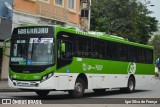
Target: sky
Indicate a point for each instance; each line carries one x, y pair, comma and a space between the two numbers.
155, 9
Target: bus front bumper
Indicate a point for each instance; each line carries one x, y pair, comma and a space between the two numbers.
49, 84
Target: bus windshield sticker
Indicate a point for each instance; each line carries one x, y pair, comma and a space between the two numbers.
41, 40
21, 41
22, 63
29, 62
67, 70
16, 59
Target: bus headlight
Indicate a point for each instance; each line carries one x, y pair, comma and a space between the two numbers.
10, 77
44, 78
50, 75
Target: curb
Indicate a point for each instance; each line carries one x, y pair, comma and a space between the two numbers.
10, 90
13, 90
3, 79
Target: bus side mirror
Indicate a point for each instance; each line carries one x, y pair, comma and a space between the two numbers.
63, 47
4, 47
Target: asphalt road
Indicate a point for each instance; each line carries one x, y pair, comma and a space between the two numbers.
114, 96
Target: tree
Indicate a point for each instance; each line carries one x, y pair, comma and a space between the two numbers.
126, 18
155, 41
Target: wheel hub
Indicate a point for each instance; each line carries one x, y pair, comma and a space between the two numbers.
78, 87
131, 85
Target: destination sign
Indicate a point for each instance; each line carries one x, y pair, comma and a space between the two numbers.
32, 30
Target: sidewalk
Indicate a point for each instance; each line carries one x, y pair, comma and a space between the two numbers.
4, 87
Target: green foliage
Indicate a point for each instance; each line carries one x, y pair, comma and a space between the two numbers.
125, 18
155, 41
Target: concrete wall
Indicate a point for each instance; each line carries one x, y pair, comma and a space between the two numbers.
5, 29
5, 62
5, 65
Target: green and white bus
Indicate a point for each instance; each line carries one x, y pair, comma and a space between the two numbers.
51, 58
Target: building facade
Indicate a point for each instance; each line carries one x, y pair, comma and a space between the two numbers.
50, 12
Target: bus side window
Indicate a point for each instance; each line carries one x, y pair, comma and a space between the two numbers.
98, 47
122, 52
84, 47
113, 48
132, 55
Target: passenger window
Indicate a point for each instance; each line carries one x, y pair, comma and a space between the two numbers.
99, 48
84, 47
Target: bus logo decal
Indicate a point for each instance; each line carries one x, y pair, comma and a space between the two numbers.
131, 68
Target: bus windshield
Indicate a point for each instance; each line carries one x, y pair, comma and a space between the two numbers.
32, 51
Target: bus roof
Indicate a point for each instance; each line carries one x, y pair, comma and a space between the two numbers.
103, 36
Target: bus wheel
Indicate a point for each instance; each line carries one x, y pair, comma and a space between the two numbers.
42, 92
131, 85
79, 89
99, 90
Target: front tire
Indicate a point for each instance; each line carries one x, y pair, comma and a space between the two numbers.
79, 89
42, 93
